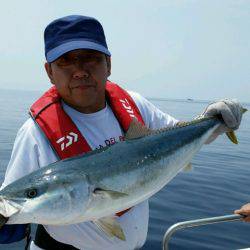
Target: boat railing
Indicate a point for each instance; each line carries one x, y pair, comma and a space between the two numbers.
196, 223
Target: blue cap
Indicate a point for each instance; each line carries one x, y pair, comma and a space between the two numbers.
73, 32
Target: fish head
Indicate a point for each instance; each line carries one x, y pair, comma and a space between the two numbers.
49, 198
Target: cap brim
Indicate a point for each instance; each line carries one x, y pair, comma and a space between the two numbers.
58, 51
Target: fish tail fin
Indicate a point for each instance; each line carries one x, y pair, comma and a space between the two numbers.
243, 110
231, 135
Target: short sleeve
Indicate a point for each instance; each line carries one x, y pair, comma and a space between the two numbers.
30, 152
153, 117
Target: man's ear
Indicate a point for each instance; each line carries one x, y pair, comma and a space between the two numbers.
49, 71
108, 60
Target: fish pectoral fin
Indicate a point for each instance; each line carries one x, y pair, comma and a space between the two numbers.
187, 168
109, 193
232, 137
137, 130
111, 227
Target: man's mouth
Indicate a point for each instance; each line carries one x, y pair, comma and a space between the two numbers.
83, 87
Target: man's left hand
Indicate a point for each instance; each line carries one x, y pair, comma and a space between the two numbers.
244, 210
231, 113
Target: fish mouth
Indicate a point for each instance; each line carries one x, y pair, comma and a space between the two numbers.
7, 209
3, 220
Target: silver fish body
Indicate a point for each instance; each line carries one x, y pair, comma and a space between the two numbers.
103, 182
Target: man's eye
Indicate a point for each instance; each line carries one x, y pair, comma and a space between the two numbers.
68, 60
95, 59
31, 193
63, 62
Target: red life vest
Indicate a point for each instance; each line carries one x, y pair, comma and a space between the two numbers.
63, 135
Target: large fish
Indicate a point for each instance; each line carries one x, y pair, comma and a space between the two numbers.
96, 185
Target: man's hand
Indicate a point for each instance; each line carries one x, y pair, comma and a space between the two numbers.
231, 113
244, 210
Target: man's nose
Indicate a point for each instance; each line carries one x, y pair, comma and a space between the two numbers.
80, 72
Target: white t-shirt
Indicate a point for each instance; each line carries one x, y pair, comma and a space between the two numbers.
32, 151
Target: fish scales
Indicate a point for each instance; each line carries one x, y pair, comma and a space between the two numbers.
150, 162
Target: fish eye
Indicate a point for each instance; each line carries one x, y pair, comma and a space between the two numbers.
31, 193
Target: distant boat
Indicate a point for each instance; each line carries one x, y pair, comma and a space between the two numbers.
190, 100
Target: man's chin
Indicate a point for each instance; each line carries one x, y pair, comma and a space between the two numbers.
87, 100
87, 92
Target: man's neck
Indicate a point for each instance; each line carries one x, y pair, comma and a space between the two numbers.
88, 109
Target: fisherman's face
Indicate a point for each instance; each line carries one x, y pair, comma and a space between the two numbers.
80, 77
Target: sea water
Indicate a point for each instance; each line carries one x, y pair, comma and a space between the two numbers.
217, 184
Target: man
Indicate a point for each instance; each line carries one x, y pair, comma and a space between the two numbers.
99, 112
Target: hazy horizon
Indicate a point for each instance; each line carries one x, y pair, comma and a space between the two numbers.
161, 49
189, 99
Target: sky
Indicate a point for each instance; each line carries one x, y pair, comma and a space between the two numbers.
163, 49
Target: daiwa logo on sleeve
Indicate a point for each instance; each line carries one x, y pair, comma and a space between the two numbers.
127, 107
67, 140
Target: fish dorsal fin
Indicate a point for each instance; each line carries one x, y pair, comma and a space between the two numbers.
137, 130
